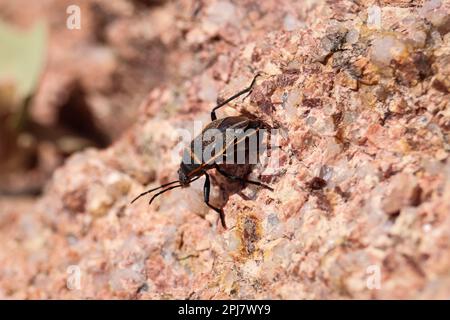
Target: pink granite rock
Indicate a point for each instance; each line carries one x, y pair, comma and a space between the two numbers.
361, 200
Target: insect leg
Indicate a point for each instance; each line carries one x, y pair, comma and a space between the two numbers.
213, 112
235, 178
206, 191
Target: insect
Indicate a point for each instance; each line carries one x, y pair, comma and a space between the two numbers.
195, 165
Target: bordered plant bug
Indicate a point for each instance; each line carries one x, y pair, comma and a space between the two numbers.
222, 142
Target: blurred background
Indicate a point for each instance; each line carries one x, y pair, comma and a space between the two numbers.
62, 89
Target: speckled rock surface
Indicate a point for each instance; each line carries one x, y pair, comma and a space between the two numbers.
361, 207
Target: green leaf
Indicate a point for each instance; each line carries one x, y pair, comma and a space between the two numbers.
22, 55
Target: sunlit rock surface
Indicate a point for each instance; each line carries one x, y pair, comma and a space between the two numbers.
361, 201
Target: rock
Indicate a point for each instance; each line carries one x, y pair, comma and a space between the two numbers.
374, 17
360, 172
404, 192
386, 49
435, 12
331, 42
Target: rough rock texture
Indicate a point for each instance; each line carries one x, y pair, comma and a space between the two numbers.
93, 82
361, 207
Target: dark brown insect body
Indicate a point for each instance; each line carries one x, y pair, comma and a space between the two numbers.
195, 162
220, 141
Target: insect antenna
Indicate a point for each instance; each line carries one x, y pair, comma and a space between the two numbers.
160, 187
168, 189
154, 189
161, 192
